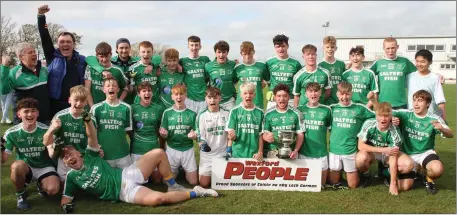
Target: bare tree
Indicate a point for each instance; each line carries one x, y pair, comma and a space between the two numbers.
7, 36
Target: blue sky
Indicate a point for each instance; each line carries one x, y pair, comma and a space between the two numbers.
172, 22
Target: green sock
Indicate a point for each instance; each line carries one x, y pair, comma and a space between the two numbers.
386, 172
20, 192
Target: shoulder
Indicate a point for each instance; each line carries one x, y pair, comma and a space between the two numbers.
270, 111
325, 107
124, 104
63, 112
13, 129
16, 71
294, 111
271, 59
294, 60
259, 110
191, 112
42, 126
371, 72
347, 71
95, 106
324, 70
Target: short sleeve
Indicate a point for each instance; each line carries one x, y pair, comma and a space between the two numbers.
128, 119
164, 121
266, 124
9, 145
231, 123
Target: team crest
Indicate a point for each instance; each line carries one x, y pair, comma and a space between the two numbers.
139, 125
390, 66
223, 119
119, 115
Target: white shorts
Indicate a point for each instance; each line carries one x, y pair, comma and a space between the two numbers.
337, 162
186, 159
381, 157
273, 103
120, 163
62, 169
132, 180
229, 105
419, 158
205, 165
36, 173
194, 105
324, 160
135, 157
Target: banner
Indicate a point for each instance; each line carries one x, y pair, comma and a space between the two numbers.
269, 174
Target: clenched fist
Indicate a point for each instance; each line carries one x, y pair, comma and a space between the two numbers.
43, 9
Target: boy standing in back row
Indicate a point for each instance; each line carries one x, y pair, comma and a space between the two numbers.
281, 68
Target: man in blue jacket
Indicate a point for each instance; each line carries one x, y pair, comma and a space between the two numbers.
66, 67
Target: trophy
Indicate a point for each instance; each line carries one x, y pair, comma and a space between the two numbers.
286, 138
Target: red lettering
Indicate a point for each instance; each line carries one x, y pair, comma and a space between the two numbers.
288, 175
249, 172
301, 174
233, 168
265, 171
276, 172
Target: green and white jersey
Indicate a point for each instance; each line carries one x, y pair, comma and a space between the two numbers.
72, 130
282, 71
138, 76
317, 120
336, 70
29, 145
146, 124
247, 124
275, 121
211, 129
392, 79
96, 177
96, 79
112, 122
363, 81
195, 77
168, 80
222, 76
178, 123
303, 77
254, 73
418, 131
346, 124
374, 137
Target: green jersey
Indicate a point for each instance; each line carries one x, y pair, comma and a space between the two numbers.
254, 73
146, 124
282, 71
392, 79
138, 76
179, 123
303, 77
96, 80
222, 76
418, 132
374, 137
72, 130
317, 120
195, 77
29, 145
346, 124
336, 70
112, 122
167, 81
96, 177
247, 124
363, 81
275, 121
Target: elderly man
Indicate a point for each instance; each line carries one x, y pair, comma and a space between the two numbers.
28, 79
66, 67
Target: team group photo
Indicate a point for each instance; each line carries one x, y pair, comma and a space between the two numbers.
177, 119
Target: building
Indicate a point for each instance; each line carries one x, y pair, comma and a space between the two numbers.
442, 47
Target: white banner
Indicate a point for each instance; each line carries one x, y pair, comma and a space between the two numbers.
269, 174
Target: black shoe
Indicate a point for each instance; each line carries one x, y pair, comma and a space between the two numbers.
22, 203
387, 181
365, 180
431, 188
340, 186
41, 192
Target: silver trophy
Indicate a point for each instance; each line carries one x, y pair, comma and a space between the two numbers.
286, 138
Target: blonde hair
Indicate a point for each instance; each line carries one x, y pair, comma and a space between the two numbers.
390, 39
247, 47
247, 86
344, 87
329, 40
171, 53
79, 92
179, 89
383, 109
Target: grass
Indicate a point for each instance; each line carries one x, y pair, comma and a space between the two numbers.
373, 199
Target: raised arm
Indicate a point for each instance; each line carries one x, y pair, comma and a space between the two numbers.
46, 40
5, 81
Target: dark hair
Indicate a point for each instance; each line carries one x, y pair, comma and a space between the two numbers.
309, 47
213, 91
280, 87
280, 39
103, 48
313, 86
194, 39
222, 45
425, 54
144, 85
423, 94
26, 103
357, 50
66, 33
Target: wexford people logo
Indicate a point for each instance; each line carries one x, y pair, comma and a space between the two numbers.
139, 125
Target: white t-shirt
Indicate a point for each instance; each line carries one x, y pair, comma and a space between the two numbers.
430, 83
211, 128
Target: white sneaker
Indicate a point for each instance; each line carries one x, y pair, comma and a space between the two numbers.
177, 187
202, 192
8, 121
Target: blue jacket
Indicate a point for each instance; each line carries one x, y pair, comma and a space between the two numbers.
57, 70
